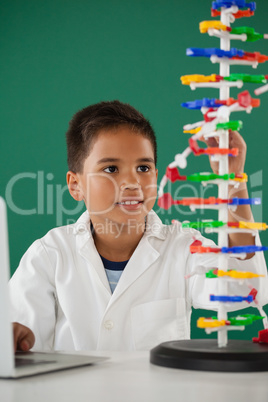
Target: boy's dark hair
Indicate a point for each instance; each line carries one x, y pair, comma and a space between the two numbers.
87, 123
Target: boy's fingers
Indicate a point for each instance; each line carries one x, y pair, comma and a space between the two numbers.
23, 337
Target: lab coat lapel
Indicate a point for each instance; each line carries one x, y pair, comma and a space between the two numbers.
143, 257
86, 248
141, 260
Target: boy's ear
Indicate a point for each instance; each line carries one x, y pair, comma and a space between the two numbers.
74, 186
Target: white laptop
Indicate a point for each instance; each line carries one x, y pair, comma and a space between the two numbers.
24, 364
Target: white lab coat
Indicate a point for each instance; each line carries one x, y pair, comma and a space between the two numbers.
60, 289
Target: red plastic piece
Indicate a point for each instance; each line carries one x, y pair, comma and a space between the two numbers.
212, 150
244, 99
233, 224
206, 117
221, 151
239, 14
256, 56
196, 243
219, 78
262, 338
194, 248
194, 146
166, 201
253, 293
173, 174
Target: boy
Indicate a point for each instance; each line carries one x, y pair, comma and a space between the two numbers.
67, 293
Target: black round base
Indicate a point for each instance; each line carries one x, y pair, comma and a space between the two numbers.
205, 355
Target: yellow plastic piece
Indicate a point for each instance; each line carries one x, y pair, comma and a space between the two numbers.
253, 225
203, 322
187, 79
204, 26
242, 179
238, 274
193, 131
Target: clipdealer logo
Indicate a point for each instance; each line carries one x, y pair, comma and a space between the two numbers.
48, 195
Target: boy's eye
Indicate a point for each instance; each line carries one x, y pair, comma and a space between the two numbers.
143, 168
110, 169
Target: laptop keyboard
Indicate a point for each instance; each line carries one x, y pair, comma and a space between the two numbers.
20, 362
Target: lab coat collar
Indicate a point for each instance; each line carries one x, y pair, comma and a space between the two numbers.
143, 257
154, 226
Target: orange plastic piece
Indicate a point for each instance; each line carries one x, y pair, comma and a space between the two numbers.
239, 14
211, 150
256, 56
196, 247
221, 151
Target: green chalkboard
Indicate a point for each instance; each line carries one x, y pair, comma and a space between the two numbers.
61, 55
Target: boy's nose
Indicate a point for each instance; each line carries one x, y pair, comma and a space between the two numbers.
133, 185
130, 180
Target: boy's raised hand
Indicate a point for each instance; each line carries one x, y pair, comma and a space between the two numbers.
236, 163
23, 337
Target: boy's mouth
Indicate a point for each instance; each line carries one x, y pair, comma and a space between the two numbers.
130, 204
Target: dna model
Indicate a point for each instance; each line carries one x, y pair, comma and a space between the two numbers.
216, 123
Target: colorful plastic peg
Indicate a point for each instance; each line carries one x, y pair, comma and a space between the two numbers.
243, 249
231, 299
173, 174
262, 338
188, 79
239, 14
229, 3
204, 26
208, 52
234, 125
252, 36
255, 79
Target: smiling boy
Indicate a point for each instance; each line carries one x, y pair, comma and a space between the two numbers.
115, 278
119, 186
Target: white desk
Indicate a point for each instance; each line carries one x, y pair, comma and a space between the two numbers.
130, 377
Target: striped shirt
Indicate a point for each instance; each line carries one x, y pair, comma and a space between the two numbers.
113, 271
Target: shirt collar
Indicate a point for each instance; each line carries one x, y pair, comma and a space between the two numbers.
154, 226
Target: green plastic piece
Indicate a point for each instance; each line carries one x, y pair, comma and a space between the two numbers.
210, 274
230, 125
252, 36
255, 79
198, 177
201, 225
244, 319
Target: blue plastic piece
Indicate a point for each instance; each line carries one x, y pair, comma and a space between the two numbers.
243, 249
197, 104
229, 3
208, 52
245, 201
231, 299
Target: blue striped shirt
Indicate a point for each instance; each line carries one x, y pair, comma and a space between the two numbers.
113, 271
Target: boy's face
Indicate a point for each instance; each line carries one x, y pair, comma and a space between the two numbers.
119, 180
